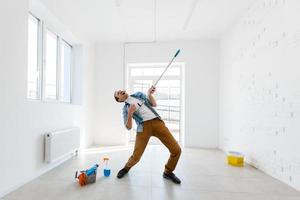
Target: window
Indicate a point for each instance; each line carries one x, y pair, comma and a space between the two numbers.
56, 67
65, 73
33, 75
141, 76
50, 69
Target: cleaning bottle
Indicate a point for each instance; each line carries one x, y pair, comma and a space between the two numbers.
106, 170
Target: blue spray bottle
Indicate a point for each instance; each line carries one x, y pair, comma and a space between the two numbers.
106, 170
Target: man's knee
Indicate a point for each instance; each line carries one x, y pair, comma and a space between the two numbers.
176, 151
179, 150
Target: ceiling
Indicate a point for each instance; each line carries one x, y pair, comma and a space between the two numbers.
147, 20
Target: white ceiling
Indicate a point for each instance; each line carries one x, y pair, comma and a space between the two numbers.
147, 20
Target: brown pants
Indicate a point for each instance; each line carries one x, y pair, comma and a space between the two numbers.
157, 128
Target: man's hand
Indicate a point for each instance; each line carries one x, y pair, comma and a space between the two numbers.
151, 98
132, 109
151, 90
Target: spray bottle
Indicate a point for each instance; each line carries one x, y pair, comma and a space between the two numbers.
106, 170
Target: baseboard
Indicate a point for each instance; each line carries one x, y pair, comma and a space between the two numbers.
48, 168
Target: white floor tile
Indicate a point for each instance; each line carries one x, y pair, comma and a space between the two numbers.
204, 175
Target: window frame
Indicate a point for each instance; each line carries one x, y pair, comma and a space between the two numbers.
43, 27
39, 58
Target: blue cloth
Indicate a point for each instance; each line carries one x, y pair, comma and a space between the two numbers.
137, 118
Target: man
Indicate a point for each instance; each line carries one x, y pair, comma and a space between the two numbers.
149, 123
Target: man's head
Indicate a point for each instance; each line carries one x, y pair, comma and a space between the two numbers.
120, 95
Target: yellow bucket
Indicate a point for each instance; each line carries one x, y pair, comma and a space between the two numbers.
235, 158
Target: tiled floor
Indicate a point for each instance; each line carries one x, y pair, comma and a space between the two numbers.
204, 175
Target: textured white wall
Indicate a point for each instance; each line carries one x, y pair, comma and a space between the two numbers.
23, 122
201, 88
260, 90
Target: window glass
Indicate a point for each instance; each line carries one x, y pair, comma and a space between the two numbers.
50, 65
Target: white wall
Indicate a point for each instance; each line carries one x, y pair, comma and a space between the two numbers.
87, 96
108, 76
260, 90
23, 122
201, 84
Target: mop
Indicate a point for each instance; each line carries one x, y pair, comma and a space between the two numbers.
156, 82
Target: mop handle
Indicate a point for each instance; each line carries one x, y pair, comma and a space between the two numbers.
176, 54
154, 85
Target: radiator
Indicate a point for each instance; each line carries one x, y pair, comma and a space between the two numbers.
62, 143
